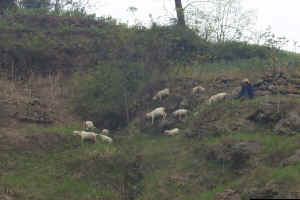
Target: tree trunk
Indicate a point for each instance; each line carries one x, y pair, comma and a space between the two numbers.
57, 6
180, 13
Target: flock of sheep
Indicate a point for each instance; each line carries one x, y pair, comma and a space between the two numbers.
87, 134
160, 111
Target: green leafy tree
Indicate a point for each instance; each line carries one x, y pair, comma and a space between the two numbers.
107, 91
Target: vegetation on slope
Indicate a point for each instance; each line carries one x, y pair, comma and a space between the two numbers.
113, 71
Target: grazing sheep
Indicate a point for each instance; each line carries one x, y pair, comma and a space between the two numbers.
157, 112
198, 89
180, 112
161, 93
172, 132
86, 135
105, 131
106, 138
89, 125
217, 97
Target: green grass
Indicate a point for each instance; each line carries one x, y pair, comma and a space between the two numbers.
59, 129
271, 142
59, 175
62, 175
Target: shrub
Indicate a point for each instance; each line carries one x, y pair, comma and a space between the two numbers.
104, 94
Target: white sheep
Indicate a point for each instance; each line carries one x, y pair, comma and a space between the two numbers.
157, 112
161, 93
105, 131
198, 89
86, 135
180, 112
172, 132
217, 97
89, 125
106, 138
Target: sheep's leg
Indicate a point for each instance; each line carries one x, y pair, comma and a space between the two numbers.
152, 119
164, 116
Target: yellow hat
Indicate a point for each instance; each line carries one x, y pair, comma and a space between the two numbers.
245, 80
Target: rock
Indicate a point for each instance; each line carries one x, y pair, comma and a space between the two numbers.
262, 93
290, 125
190, 134
268, 191
184, 103
235, 92
225, 79
228, 194
34, 111
233, 153
271, 87
295, 158
268, 114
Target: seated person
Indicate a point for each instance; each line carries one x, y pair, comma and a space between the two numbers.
247, 89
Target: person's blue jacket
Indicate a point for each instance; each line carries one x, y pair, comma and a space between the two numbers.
247, 89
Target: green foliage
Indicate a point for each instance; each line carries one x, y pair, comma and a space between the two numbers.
63, 130
232, 50
107, 90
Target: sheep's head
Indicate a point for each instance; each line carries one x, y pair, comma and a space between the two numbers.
148, 115
154, 98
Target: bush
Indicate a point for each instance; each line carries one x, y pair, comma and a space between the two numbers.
233, 50
105, 93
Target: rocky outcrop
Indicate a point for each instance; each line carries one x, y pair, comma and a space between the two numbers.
227, 194
267, 114
34, 111
290, 125
233, 153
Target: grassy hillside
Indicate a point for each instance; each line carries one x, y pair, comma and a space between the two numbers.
58, 70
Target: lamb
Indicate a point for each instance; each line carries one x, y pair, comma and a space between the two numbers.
105, 131
217, 97
91, 136
89, 125
161, 93
172, 132
198, 89
86, 135
160, 111
180, 112
106, 138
